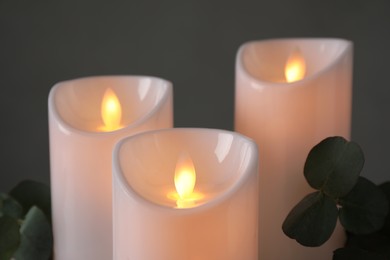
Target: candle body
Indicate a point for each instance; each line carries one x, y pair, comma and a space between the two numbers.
147, 225
286, 120
80, 156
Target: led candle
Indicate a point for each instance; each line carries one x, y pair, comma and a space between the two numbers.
185, 194
86, 118
291, 94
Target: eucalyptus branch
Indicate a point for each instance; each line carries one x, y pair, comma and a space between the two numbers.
25, 222
332, 168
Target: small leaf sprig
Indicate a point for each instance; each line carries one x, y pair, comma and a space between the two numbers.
25, 222
332, 168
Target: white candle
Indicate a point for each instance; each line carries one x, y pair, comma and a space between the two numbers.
186, 194
86, 118
287, 113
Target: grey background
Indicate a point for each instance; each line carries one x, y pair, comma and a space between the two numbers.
192, 43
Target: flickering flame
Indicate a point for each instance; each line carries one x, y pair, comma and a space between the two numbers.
185, 177
111, 111
295, 68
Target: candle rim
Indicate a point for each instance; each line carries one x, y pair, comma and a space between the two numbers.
52, 107
240, 65
118, 175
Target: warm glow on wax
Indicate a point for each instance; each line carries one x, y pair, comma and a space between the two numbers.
185, 176
295, 68
111, 111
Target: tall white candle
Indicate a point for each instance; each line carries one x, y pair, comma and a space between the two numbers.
186, 194
86, 118
291, 94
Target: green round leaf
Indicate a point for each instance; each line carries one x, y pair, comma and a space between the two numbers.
10, 207
312, 221
364, 209
385, 187
333, 166
29, 193
356, 253
9, 236
36, 237
375, 242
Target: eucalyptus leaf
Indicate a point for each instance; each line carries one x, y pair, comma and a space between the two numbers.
333, 166
375, 242
356, 254
364, 209
385, 187
36, 237
10, 207
29, 193
9, 236
312, 221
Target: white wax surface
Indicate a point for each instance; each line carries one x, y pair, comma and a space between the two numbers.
286, 120
222, 225
80, 156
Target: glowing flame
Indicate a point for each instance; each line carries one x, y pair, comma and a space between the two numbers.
295, 68
111, 111
185, 177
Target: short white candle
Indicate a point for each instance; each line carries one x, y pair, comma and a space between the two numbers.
186, 194
86, 118
291, 94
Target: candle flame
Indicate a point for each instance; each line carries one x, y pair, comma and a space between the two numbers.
111, 111
185, 176
295, 68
